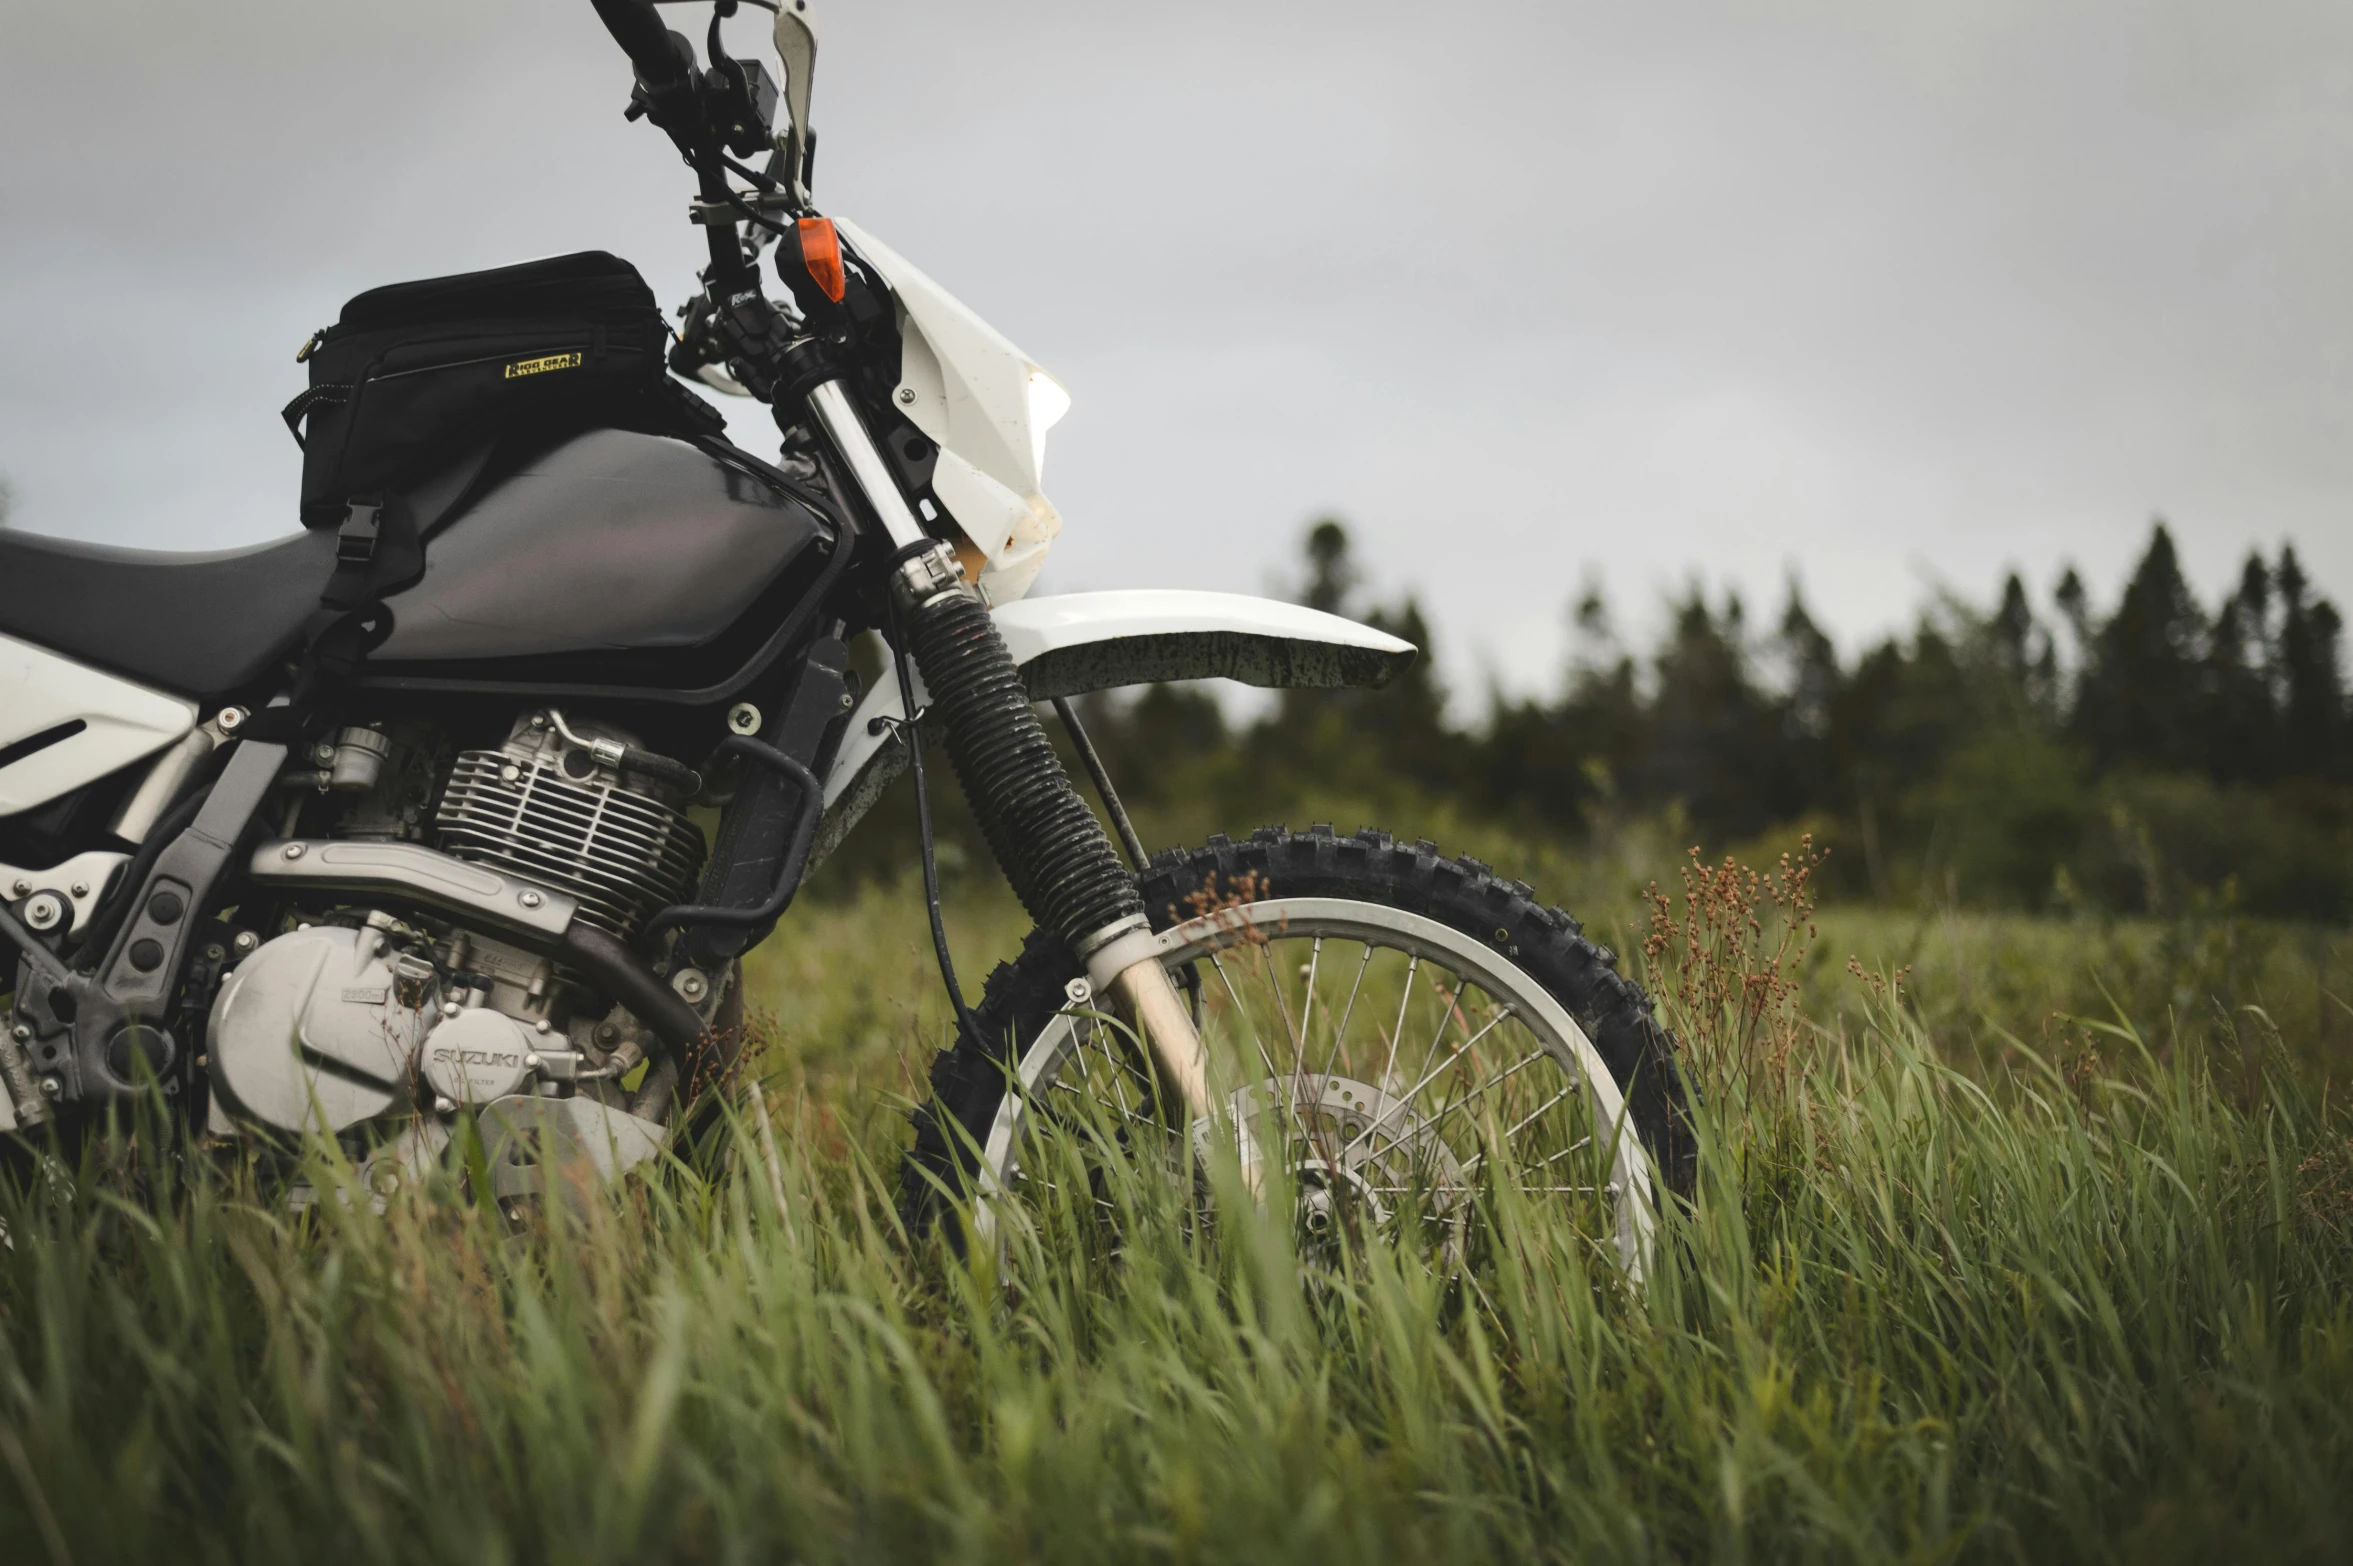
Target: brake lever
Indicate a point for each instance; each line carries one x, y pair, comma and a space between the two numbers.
746, 334
699, 354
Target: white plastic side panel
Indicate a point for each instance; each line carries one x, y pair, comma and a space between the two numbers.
41, 692
988, 406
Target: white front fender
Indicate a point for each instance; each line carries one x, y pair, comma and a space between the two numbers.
1080, 642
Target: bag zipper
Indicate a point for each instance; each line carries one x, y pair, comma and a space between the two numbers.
457, 364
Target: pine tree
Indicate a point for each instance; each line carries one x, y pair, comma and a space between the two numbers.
2075, 607
2011, 630
2143, 691
2312, 680
1332, 574
1407, 718
1812, 667
2025, 657
1808, 774
1399, 730
2243, 720
1713, 741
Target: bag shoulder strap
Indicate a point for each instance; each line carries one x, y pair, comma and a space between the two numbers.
377, 553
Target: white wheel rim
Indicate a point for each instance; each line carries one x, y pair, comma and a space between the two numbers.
1376, 928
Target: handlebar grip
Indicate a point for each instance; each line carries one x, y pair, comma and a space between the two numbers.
662, 57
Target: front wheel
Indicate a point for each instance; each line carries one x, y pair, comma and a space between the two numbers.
1400, 1031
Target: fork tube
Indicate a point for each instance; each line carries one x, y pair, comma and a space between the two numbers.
1049, 844
838, 416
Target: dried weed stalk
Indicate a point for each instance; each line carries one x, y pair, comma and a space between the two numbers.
1221, 909
1726, 966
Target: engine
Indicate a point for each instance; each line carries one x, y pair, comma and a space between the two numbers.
401, 1011
554, 806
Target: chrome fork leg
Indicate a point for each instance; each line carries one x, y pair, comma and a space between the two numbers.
1147, 998
1144, 994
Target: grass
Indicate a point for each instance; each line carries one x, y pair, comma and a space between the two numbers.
2072, 1292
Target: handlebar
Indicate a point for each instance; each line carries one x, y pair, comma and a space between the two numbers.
672, 93
663, 59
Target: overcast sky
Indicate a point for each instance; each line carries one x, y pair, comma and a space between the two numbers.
1883, 296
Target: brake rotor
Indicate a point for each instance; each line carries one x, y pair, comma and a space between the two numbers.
1358, 1157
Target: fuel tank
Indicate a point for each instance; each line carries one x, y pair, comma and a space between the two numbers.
610, 544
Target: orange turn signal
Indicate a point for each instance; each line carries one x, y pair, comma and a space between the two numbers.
821, 253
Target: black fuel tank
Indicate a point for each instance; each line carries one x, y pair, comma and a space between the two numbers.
612, 542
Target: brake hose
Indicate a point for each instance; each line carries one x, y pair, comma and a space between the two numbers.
911, 733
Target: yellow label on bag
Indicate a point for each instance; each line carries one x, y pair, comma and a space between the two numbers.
554, 361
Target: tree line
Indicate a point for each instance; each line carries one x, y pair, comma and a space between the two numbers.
2138, 756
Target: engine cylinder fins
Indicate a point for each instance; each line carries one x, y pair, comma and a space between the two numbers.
622, 853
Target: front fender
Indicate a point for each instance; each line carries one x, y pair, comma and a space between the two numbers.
1071, 644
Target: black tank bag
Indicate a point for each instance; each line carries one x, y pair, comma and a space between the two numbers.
414, 375
418, 385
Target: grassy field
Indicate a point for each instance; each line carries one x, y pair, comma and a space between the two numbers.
2044, 1253
853, 991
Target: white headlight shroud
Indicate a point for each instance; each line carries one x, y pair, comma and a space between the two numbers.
987, 406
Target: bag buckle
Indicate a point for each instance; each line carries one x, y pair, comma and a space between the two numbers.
355, 541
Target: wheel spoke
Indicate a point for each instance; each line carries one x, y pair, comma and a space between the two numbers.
1274, 981
1474, 1164
1298, 1085
1227, 980
1306, 1023
1389, 1065
1083, 1090
1537, 1113
1454, 1104
1118, 1073
1340, 1032
1447, 1013
1274, 1075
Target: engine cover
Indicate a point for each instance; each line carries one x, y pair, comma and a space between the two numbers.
316, 1031
477, 1056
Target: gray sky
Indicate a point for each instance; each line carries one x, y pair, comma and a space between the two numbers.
1883, 295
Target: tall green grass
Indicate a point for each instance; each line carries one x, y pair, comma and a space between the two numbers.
2083, 1305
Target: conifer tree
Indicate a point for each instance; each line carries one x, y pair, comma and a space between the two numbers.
1809, 701
2142, 694
2243, 720
2011, 630
1399, 729
1332, 574
2312, 680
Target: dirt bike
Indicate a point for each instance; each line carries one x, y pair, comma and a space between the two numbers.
391, 825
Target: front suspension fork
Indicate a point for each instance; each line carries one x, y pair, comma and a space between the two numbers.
1050, 845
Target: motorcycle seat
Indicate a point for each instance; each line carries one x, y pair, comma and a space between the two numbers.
198, 624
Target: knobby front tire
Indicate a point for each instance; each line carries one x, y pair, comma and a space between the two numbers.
1400, 1030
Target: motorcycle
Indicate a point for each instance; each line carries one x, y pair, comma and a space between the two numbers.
390, 827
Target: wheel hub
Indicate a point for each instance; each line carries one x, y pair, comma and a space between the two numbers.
1358, 1157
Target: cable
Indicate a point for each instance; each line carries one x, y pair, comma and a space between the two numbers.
766, 183
737, 202
1093, 760
912, 733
